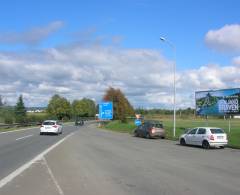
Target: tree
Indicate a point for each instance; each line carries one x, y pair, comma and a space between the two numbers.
84, 108
20, 111
1, 101
121, 106
59, 107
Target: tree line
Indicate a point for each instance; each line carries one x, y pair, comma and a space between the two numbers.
158, 111
58, 108
62, 109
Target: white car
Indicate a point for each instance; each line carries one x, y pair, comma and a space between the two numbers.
205, 136
51, 126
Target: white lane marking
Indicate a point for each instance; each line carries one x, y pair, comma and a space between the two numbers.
24, 137
53, 177
18, 171
6, 132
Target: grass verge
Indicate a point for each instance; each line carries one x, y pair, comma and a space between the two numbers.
182, 124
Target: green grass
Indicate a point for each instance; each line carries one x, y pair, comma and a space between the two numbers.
182, 124
120, 127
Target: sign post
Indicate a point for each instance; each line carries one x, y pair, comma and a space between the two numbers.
138, 122
229, 124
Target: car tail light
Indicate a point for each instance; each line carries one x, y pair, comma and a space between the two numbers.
211, 137
153, 130
55, 126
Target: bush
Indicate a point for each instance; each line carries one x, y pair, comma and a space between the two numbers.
8, 119
37, 117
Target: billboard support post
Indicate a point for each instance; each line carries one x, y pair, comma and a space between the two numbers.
206, 117
229, 124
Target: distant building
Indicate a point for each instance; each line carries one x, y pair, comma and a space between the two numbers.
35, 111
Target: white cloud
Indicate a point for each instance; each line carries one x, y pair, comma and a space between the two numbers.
236, 60
225, 39
32, 36
144, 75
210, 77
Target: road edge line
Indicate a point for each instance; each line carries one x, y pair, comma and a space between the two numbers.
19, 170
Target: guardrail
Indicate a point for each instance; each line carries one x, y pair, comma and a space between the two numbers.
8, 126
17, 125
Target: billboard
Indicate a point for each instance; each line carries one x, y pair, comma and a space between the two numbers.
218, 102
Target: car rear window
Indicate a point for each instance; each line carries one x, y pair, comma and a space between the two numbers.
49, 123
216, 131
158, 125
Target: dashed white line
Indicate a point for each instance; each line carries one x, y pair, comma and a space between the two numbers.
17, 172
20, 138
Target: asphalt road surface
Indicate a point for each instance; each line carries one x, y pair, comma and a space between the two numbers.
17, 148
95, 161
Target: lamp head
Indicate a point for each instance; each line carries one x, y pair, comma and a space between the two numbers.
162, 39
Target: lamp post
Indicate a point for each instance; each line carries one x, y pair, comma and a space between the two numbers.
174, 83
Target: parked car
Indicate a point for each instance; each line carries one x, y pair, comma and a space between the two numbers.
205, 136
51, 127
150, 129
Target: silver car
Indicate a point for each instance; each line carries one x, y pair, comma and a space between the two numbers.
205, 136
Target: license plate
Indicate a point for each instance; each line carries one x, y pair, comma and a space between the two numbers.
220, 137
47, 127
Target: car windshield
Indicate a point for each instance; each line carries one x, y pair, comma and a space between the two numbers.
216, 131
158, 125
49, 123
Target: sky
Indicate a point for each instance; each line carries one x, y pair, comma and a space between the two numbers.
80, 48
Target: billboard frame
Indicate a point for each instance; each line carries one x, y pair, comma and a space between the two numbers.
222, 101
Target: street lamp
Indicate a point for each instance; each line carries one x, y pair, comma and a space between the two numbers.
174, 83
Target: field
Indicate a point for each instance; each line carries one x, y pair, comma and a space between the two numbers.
32, 119
182, 124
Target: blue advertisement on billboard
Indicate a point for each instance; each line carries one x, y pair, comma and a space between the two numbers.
106, 111
218, 102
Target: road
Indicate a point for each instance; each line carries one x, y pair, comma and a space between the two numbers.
96, 161
17, 148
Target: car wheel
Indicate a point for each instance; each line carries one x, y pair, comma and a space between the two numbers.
40, 133
162, 137
222, 147
182, 142
135, 134
205, 144
147, 136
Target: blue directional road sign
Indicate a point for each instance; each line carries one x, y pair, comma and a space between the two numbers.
106, 110
138, 122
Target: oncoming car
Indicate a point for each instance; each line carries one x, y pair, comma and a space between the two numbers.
51, 126
205, 136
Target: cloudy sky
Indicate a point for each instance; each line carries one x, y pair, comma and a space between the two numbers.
79, 48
